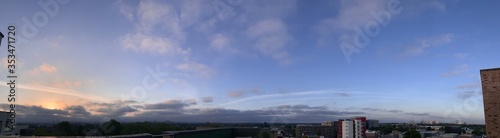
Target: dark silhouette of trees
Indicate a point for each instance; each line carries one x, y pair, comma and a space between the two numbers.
112, 127
412, 133
65, 129
149, 127
41, 131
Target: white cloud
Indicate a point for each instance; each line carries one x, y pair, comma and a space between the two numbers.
268, 9
242, 92
153, 44
272, 37
192, 10
207, 99
68, 92
456, 71
352, 14
198, 68
468, 86
461, 55
221, 42
423, 44
126, 10
158, 29
45, 68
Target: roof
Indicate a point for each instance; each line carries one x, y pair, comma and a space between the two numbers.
490, 69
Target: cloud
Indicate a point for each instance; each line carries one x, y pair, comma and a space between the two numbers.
221, 43
461, 55
343, 94
157, 26
198, 68
141, 42
171, 105
44, 68
235, 93
296, 107
272, 38
207, 99
456, 71
242, 92
77, 110
53, 41
351, 14
381, 110
467, 94
415, 8
468, 86
423, 44
418, 114
68, 92
177, 110
67, 84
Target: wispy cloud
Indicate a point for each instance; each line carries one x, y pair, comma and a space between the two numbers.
423, 44
456, 71
68, 92
197, 68
242, 92
149, 18
272, 38
221, 43
207, 99
461, 55
44, 68
468, 86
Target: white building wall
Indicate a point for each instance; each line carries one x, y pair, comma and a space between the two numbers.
347, 129
357, 128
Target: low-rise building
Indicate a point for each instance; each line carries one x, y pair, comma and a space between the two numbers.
316, 130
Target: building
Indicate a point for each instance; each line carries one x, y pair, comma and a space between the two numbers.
345, 129
449, 135
490, 80
372, 124
327, 131
360, 127
453, 129
1, 37
352, 128
328, 123
372, 134
4, 130
223, 133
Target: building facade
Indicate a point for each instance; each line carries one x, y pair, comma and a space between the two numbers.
327, 131
359, 127
345, 129
372, 124
490, 80
352, 128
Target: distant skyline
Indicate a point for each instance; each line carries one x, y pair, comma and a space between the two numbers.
251, 61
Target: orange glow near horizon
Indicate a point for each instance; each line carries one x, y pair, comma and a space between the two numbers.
54, 105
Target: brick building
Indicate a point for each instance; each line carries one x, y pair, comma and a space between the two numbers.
490, 79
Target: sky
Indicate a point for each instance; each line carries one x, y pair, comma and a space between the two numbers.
279, 61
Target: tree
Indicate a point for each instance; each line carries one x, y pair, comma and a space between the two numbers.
412, 134
386, 129
112, 127
64, 129
478, 131
42, 131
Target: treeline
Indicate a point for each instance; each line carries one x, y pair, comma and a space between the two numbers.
110, 128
